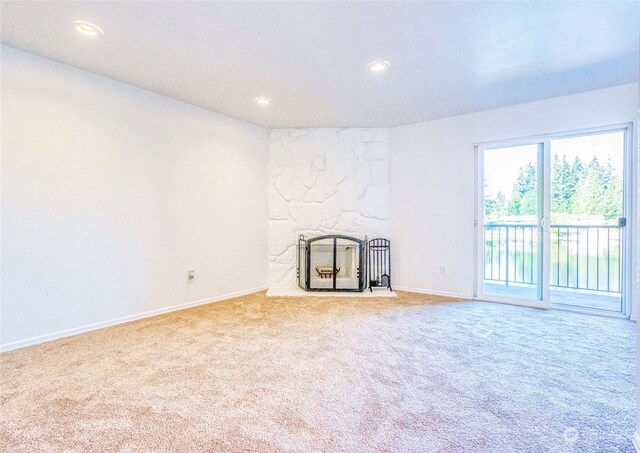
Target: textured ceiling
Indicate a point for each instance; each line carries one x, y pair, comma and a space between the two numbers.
447, 58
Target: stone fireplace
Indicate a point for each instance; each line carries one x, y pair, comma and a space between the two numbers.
324, 182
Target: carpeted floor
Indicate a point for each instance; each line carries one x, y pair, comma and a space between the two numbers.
416, 373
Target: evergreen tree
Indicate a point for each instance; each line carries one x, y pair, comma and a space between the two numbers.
599, 192
529, 204
524, 197
489, 207
577, 170
564, 180
577, 189
514, 204
495, 207
589, 193
501, 204
612, 200
489, 203
527, 180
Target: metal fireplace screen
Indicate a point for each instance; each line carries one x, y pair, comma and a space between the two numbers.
331, 263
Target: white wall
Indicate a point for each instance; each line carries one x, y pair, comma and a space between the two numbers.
432, 179
110, 194
636, 436
324, 181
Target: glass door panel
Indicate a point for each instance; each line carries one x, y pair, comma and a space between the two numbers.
586, 230
321, 264
511, 243
347, 264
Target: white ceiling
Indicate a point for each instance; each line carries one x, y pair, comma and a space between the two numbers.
447, 58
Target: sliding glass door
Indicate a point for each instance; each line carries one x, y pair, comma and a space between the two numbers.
552, 222
511, 212
587, 221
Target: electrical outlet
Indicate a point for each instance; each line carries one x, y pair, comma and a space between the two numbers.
191, 275
443, 269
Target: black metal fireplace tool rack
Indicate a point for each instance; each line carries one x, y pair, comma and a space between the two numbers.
379, 261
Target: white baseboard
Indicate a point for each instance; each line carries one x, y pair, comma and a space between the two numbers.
636, 441
433, 292
100, 325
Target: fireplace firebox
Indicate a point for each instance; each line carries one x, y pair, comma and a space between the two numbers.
331, 263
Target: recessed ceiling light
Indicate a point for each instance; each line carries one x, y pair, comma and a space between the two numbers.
379, 65
87, 29
261, 100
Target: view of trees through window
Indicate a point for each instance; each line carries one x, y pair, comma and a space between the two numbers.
586, 190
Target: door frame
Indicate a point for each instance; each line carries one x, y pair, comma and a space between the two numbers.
543, 258
629, 264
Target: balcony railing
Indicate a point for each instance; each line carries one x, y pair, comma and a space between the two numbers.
585, 257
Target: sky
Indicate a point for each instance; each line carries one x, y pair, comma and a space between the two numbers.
501, 165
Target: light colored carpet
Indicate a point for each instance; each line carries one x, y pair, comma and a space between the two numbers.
416, 373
